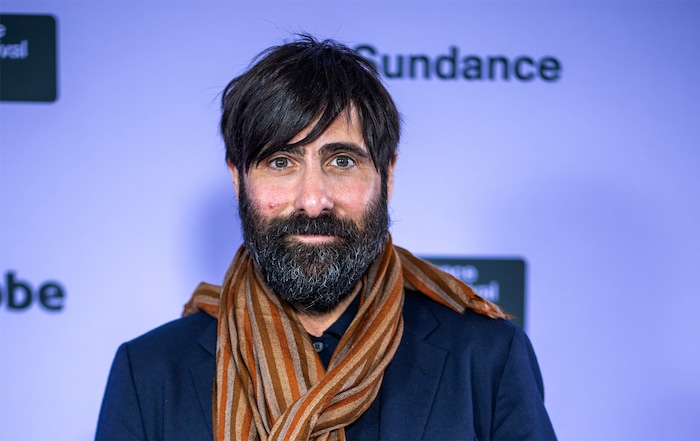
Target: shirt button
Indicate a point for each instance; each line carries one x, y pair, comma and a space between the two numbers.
319, 346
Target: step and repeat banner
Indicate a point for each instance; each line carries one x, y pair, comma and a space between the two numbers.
550, 157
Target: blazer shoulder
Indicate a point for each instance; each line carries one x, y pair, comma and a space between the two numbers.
437, 320
178, 339
157, 380
490, 373
480, 345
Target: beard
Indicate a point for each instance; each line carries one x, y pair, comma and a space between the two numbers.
314, 278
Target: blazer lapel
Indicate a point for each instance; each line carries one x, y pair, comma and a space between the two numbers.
203, 372
411, 380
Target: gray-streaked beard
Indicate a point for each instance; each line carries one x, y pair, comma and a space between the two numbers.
314, 278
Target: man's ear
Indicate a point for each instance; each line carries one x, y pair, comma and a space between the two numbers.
390, 176
234, 177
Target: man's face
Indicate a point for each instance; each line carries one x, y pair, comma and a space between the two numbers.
313, 216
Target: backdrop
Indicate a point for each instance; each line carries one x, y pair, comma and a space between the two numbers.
562, 133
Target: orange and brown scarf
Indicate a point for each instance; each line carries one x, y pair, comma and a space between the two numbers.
270, 383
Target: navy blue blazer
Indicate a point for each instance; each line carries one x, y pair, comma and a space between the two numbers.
454, 377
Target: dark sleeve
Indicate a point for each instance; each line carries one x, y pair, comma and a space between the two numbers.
520, 413
120, 415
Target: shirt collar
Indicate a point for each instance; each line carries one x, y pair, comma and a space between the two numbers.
342, 324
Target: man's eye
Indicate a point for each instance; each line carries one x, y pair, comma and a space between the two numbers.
342, 161
280, 163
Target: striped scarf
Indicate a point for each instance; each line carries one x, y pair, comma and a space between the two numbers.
270, 383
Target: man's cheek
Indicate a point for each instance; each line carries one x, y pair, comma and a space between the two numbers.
357, 197
268, 203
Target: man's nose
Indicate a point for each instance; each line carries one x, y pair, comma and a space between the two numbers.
314, 194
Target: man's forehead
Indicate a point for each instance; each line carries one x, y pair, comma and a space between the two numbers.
346, 122
343, 133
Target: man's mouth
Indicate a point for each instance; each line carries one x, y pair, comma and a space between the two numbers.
313, 238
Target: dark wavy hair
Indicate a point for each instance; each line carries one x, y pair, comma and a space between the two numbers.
292, 85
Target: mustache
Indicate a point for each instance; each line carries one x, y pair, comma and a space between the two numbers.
324, 225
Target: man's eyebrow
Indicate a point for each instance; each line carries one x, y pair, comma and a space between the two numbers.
294, 149
327, 149
349, 147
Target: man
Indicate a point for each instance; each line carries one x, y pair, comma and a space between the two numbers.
323, 329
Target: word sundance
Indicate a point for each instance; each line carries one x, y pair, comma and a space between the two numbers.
453, 66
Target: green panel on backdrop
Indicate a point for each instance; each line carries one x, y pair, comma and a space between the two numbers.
27, 58
501, 281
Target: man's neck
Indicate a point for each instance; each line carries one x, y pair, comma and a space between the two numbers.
316, 324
